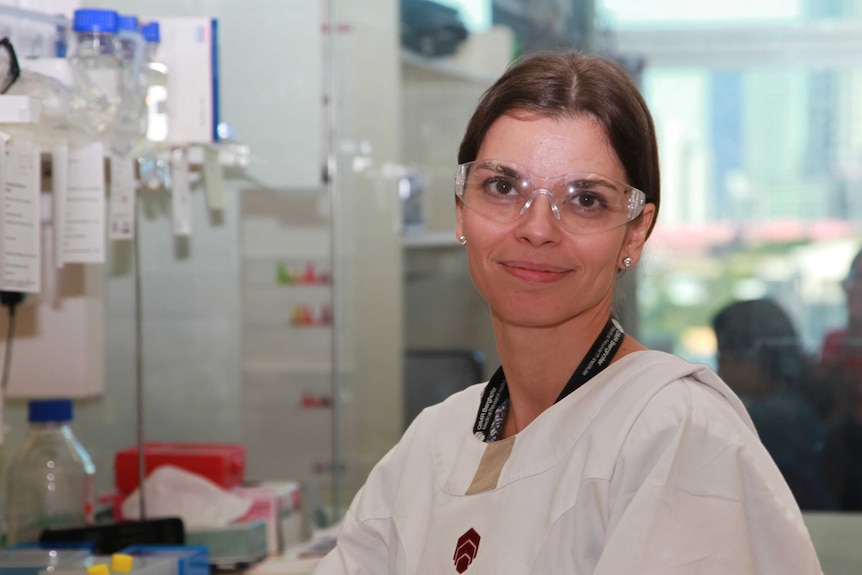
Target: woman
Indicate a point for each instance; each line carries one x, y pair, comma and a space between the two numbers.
585, 453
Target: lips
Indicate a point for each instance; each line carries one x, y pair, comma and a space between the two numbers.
535, 271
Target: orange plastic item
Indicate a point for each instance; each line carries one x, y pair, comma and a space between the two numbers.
221, 463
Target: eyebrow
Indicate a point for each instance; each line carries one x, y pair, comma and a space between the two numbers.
589, 177
598, 181
505, 170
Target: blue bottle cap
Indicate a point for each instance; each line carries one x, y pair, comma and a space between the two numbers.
127, 22
151, 32
49, 410
95, 20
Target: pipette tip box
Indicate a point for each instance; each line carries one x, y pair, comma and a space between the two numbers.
233, 546
191, 559
31, 560
148, 565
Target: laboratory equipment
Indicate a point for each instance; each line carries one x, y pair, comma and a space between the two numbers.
50, 482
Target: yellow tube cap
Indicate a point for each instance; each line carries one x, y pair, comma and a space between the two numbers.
98, 569
121, 563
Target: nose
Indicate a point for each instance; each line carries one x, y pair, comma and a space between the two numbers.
536, 224
547, 194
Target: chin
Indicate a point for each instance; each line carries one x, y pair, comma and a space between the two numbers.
532, 316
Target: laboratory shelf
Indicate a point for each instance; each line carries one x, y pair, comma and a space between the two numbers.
297, 367
435, 239
229, 154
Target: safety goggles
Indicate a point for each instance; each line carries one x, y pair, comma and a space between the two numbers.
9, 69
583, 202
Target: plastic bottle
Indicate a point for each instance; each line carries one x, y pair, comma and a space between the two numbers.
130, 48
97, 71
50, 481
131, 56
6, 454
154, 160
125, 46
57, 119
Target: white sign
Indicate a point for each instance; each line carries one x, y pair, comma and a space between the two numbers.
20, 217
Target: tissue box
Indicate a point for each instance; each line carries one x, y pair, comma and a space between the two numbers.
279, 504
221, 463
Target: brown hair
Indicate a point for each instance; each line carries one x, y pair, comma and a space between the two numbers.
567, 84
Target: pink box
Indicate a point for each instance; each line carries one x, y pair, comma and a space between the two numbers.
280, 505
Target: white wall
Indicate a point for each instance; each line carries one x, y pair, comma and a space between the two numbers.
195, 381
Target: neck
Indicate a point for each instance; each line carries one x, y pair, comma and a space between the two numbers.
538, 363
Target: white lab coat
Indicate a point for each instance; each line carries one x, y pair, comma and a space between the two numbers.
651, 468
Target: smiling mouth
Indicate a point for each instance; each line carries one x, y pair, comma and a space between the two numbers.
535, 267
534, 272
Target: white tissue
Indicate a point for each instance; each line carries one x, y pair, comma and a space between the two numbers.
173, 492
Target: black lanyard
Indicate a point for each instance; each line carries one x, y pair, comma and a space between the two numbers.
598, 358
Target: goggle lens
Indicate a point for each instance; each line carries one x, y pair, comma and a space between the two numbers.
583, 202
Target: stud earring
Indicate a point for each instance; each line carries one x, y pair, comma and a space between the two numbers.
462, 240
627, 262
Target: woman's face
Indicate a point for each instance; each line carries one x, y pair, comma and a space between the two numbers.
531, 271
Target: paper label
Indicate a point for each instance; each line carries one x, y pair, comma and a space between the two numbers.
50, 287
83, 206
181, 198
59, 171
20, 217
157, 113
213, 179
121, 206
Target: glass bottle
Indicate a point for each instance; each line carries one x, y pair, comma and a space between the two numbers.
50, 481
156, 80
97, 71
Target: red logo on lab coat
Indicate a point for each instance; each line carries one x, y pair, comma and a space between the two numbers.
466, 549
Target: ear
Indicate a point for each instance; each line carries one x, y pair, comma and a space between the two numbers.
459, 208
636, 235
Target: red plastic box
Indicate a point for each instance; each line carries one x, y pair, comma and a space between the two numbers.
221, 463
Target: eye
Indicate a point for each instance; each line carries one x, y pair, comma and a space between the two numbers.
587, 197
587, 200
500, 186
